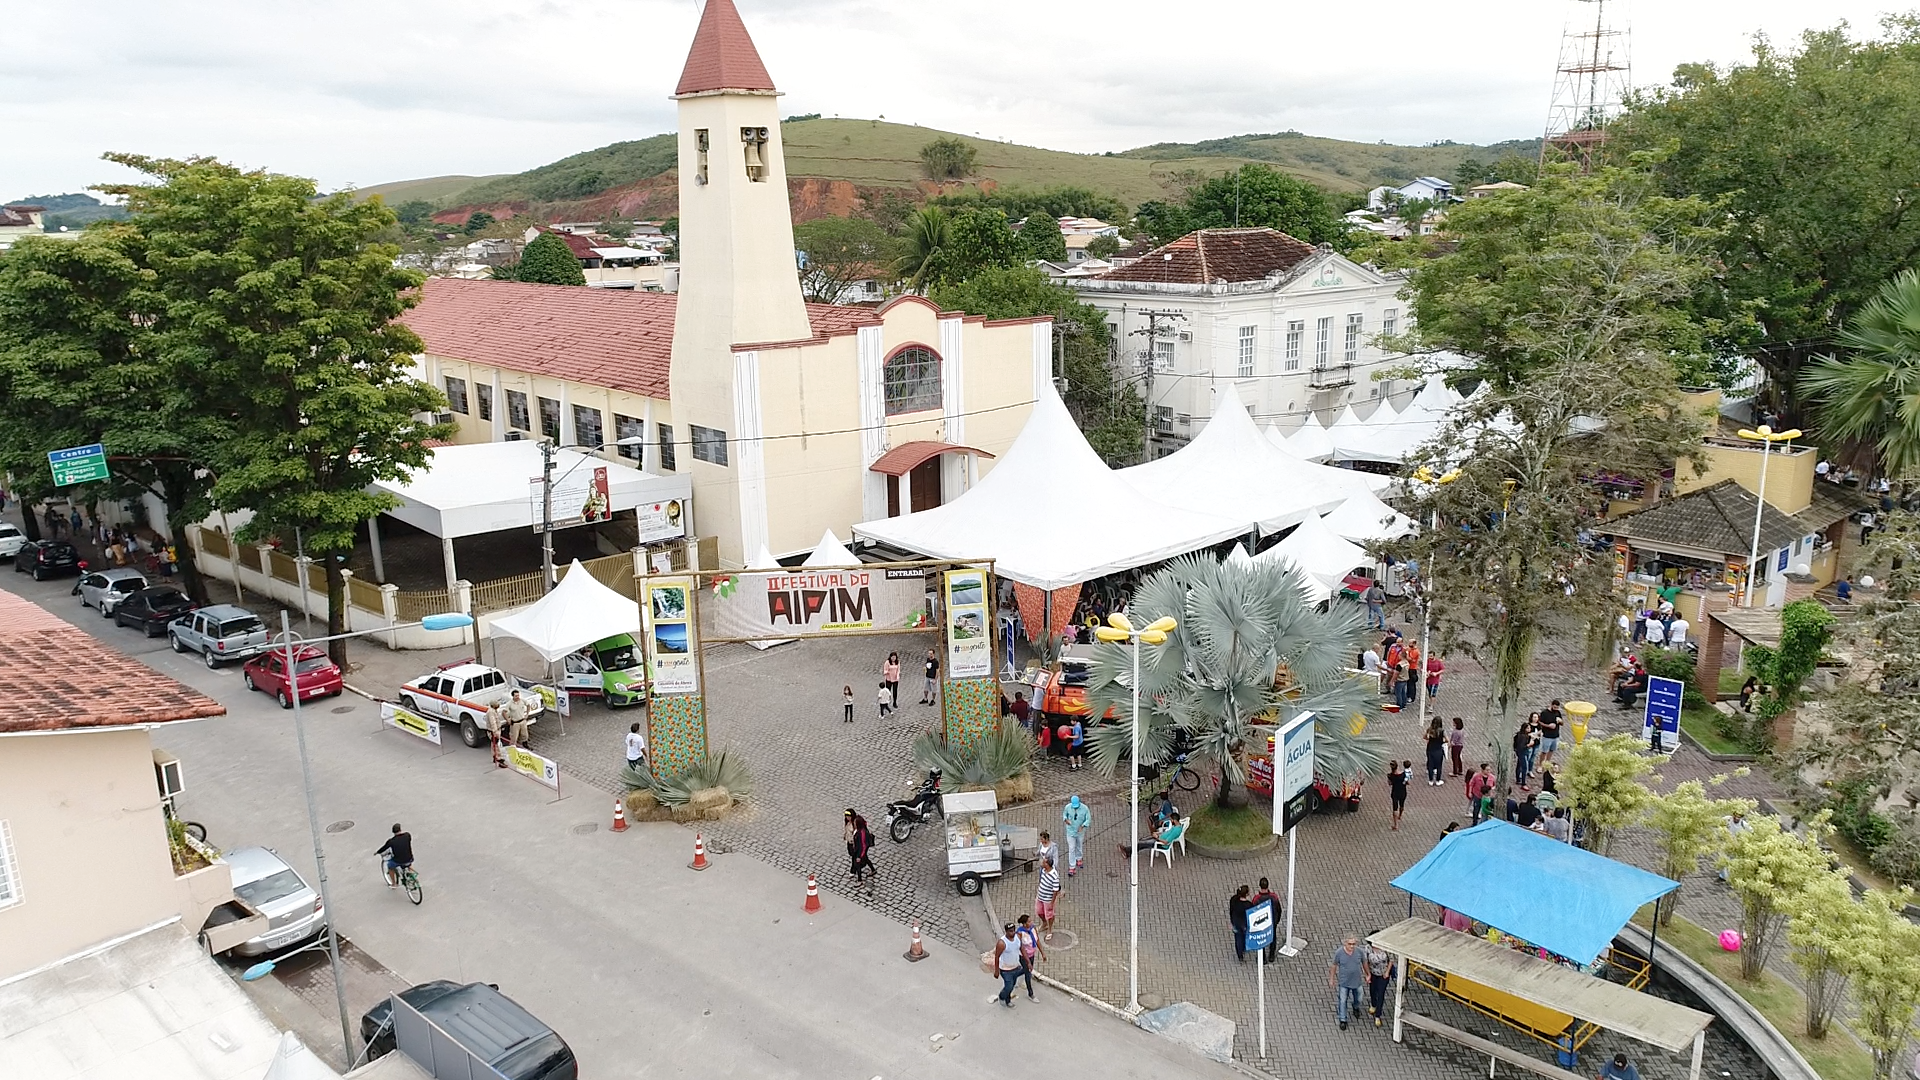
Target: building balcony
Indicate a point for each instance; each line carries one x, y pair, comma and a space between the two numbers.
1330, 377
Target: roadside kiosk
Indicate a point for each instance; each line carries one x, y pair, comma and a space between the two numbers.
1525, 938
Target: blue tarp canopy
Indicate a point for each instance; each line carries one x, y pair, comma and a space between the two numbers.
1565, 900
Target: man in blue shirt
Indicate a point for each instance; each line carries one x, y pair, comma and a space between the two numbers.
1618, 1069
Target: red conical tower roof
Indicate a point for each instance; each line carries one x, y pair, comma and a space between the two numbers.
723, 56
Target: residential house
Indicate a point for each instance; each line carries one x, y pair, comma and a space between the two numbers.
1431, 188
792, 418
1293, 326
19, 221
1482, 191
613, 266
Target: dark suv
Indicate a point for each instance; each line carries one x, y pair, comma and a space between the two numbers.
47, 558
484, 1022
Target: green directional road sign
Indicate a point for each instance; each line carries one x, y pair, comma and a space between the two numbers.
78, 464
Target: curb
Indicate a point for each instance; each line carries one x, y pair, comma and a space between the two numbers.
1728, 759
1728, 1006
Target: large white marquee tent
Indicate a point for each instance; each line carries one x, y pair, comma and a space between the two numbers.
1231, 466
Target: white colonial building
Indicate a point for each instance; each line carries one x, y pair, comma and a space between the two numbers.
1292, 326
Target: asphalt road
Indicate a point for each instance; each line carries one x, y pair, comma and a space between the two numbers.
647, 968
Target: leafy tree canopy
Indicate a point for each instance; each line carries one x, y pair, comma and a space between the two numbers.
1810, 148
978, 240
1260, 195
1870, 393
547, 260
1059, 200
841, 251
1103, 247
478, 221
414, 212
1040, 237
948, 159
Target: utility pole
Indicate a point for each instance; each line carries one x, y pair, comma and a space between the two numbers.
546, 513
1148, 360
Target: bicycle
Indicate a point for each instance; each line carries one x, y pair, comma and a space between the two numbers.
191, 828
408, 878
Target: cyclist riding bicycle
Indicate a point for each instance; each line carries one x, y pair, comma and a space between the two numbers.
399, 852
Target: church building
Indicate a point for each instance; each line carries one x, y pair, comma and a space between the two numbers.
791, 418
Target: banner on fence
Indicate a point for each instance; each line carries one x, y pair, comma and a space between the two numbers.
807, 602
540, 770
549, 697
410, 722
672, 660
665, 520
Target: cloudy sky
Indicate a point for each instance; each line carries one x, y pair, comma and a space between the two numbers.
354, 92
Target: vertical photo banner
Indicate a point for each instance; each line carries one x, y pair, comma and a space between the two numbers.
672, 644
969, 624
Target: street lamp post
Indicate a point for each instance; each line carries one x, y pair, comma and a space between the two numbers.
1119, 628
290, 646
547, 449
1424, 598
1766, 437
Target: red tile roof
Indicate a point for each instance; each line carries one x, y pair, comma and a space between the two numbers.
1210, 255
904, 458
581, 247
618, 338
56, 677
723, 56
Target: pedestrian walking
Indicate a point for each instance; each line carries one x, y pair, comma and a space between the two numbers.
1266, 893
1436, 753
636, 747
1031, 951
1237, 907
1736, 825
859, 846
1379, 976
1006, 961
1376, 600
1457, 743
846, 704
1079, 821
1397, 790
1077, 746
77, 522
890, 671
1435, 668
1048, 851
1525, 739
885, 698
1043, 896
1347, 975
1479, 794
1867, 523
1551, 719
932, 667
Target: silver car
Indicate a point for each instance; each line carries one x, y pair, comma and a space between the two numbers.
11, 540
267, 884
104, 589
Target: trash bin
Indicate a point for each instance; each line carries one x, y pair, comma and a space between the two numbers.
1579, 715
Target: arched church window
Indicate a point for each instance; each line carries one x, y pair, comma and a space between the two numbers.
912, 380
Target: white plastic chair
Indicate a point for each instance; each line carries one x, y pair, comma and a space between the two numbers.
1160, 850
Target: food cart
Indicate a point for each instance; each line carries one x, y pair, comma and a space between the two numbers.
978, 845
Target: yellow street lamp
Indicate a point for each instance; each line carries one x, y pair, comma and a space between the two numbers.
1120, 629
1766, 437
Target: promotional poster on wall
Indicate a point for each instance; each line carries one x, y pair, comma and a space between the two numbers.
969, 625
579, 498
812, 602
660, 520
671, 641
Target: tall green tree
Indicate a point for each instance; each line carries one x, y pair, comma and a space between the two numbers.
841, 251
948, 158
926, 243
1824, 925
1810, 146
1109, 412
1769, 870
547, 260
1602, 788
1870, 393
977, 240
1163, 221
1040, 237
1688, 826
1251, 652
79, 364
1886, 978
286, 307
1259, 195
1103, 247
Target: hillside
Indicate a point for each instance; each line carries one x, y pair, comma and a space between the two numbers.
831, 161
73, 211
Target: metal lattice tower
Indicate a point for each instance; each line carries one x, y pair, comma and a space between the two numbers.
1590, 85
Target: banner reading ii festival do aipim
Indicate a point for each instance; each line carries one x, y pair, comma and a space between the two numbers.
813, 603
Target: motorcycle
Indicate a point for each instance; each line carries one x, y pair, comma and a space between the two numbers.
904, 814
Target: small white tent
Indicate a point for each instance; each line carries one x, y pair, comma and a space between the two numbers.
1104, 524
766, 561
1377, 438
1323, 557
579, 611
1311, 442
830, 552
1230, 468
1364, 517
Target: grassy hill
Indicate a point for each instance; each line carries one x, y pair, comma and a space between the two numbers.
878, 154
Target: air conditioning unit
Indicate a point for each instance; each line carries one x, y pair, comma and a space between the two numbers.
1186, 335
1183, 419
166, 769
443, 418
515, 436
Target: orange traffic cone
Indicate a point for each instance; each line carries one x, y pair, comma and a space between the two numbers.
699, 853
813, 894
619, 815
915, 953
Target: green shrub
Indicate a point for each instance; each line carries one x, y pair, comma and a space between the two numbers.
1899, 857
1855, 817
1004, 753
1676, 664
724, 771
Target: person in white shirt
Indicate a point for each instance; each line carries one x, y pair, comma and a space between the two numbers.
636, 747
1656, 633
1677, 633
1370, 663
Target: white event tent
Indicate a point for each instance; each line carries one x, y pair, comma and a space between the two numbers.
1324, 558
1377, 438
1310, 443
579, 611
1099, 523
1364, 517
1351, 481
1230, 467
830, 552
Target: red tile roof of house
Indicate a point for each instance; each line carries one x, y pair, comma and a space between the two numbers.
581, 247
57, 677
723, 56
618, 338
1211, 255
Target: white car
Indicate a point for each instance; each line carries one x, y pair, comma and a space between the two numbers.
11, 541
461, 694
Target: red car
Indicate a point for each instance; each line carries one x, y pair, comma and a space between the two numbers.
319, 677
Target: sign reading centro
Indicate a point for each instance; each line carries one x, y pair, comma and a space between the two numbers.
814, 602
410, 722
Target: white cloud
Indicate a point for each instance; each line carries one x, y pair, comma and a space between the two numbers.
357, 92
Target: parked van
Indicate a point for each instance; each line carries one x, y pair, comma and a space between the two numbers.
612, 669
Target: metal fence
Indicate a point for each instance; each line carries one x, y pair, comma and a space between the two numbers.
433, 1049
503, 593
414, 606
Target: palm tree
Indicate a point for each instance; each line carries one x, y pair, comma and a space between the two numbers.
926, 242
1874, 394
1251, 651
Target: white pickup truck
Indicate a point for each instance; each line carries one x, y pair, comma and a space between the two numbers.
461, 693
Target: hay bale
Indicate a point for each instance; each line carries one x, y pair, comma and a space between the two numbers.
642, 806
684, 814
1017, 788
710, 803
